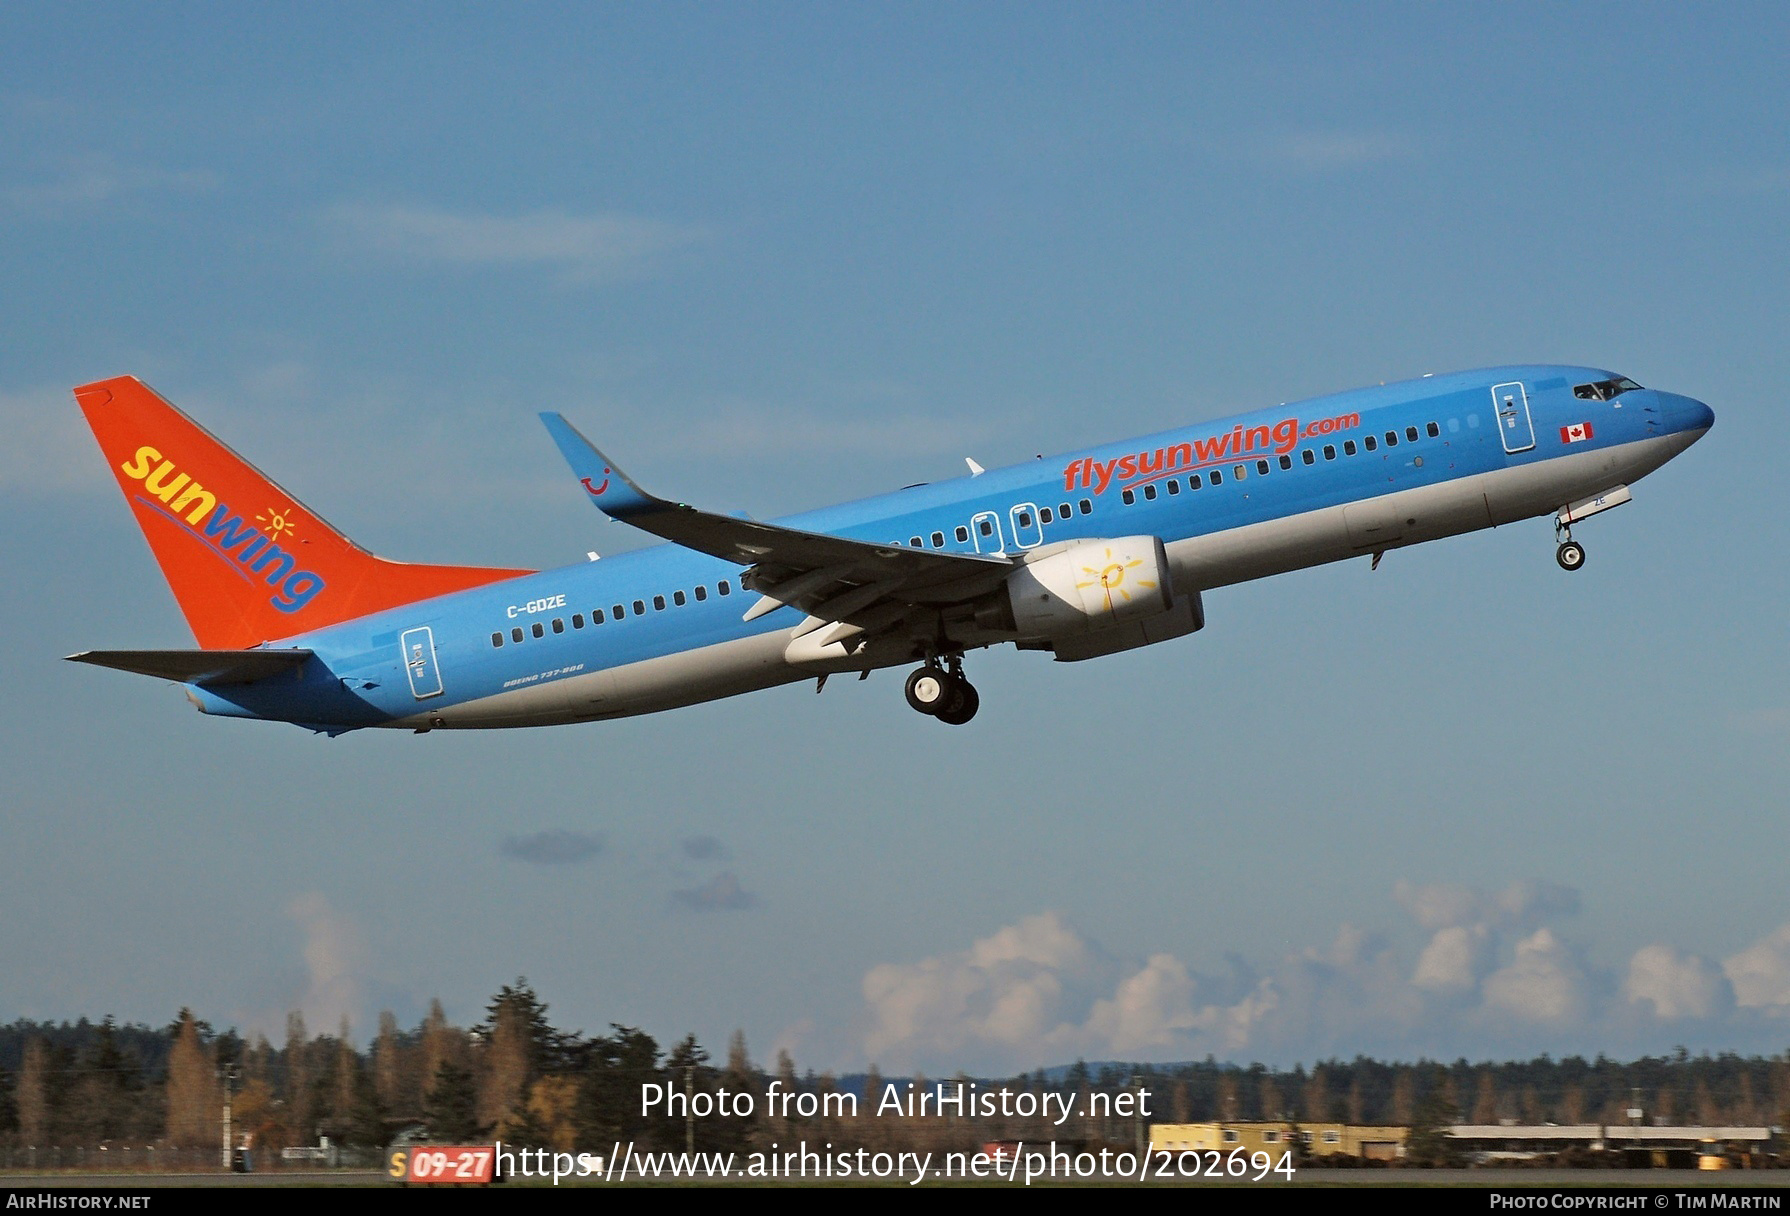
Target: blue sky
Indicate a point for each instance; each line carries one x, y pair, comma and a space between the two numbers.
779, 256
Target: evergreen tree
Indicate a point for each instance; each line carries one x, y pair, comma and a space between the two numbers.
616, 1066
450, 1108
1428, 1142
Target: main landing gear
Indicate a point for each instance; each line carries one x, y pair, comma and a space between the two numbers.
1570, 553
943, 692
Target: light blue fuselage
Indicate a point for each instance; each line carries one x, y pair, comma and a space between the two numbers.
454, 661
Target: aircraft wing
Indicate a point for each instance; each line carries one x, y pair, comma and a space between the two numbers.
198, 666
831, 578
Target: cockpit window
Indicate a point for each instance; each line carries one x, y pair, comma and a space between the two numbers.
1604, 390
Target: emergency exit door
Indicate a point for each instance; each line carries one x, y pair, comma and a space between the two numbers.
1511, 406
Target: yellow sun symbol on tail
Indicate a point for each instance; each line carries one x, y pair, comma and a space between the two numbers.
1111, 577
276, 523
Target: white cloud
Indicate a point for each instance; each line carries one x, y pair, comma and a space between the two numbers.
588, 247
1524, 903
1332, 151
1761, 973
1543, 983
1038, 989
1676, 985
722, 893
1150, 1009
88, 181
1024, 986
1451, 961
335, 960
1490, 977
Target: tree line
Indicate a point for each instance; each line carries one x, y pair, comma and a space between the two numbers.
514, 1076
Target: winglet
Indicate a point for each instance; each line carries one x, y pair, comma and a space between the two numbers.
610, 490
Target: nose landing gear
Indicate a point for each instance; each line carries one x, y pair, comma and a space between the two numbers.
943, 692
1570, 553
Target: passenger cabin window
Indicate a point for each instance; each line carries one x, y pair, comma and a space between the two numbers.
1411, 433
1370, 443
596, 616
1261, 468
539, 630
1216, 476
658, 603
1286, 462
619, 614
1025, 519
639, 607
1044, 515
1604, 390
724, 588
1330, 451
1087, 508
677, 597
1348, 447
1174, 486
913, 542
578, 620
938, 540
963, 534
1150, 493
1308, 456
1433, 431
1128, 496
515, 635
1391, 439
559, 626
702, 593
1063, 511
1237, 471
497, 639
985, 527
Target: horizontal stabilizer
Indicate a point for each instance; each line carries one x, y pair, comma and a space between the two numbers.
198, 666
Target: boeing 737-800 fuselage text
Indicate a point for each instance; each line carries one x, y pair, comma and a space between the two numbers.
1081, 555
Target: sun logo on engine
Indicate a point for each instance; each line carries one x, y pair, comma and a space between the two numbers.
276, 523
1111, 577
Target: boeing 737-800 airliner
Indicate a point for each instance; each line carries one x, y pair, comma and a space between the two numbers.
1083, 555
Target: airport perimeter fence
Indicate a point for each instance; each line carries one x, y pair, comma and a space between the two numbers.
165, 1158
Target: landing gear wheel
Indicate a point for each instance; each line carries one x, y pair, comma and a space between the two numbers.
1570, 555
962, 705
928, 689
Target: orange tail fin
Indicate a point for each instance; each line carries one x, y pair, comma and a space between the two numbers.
247, 562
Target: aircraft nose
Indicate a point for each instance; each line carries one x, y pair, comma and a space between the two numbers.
1689, 414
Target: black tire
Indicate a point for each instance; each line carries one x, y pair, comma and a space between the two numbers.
962, 707
928, 689
1570, 555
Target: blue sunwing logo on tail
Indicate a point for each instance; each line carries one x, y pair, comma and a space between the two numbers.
231, 536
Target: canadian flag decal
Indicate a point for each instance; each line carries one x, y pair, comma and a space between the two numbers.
1575, 433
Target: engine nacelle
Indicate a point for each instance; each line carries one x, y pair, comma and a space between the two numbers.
1087, 586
